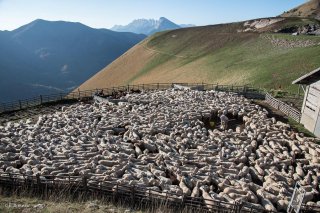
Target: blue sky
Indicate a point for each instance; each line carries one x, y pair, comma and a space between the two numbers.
106, 13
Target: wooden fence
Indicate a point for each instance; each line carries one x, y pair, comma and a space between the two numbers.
81, 188
46, 186
283, 107
247, 91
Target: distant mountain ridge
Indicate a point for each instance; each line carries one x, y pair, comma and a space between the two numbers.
53, 56
149, 26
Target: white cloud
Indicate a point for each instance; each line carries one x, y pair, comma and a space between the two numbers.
64, 68
47, 87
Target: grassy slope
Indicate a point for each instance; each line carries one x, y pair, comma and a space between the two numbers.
309, 9
213, 54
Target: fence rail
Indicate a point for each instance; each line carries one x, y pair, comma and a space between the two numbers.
283, 107
45, 186
248, 91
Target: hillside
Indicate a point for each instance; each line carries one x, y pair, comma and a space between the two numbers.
238, 53
310, 9
49, 57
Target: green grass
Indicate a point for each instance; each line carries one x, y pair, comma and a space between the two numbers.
220, 54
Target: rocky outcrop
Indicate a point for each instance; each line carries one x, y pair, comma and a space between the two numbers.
255, 25
309, 29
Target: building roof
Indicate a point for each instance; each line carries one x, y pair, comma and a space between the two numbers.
309, 78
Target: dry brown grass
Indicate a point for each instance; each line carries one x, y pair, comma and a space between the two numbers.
310, 9
121, 70
33, 205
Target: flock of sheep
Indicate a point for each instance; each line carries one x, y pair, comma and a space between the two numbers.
158, 140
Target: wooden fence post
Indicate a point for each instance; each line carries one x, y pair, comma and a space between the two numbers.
39, 188
40, 99
85, 183
132, 194
115, 193
182, 202
100, 190
38, 178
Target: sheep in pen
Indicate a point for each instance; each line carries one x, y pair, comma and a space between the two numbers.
158, 140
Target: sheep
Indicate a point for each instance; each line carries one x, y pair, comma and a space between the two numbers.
207, 198
163, 142
309, 196
266, 203
155, 171
108, 163
183, 186
195, 192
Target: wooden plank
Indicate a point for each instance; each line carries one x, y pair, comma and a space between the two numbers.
314, 92
311, 106
312, 95
309, 112
316, 86
313, 100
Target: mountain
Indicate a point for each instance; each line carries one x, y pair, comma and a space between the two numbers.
148, 26
53, 56
187, 25
252, 52
310, 9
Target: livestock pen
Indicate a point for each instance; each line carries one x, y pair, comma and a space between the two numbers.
247, 91
62, 184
